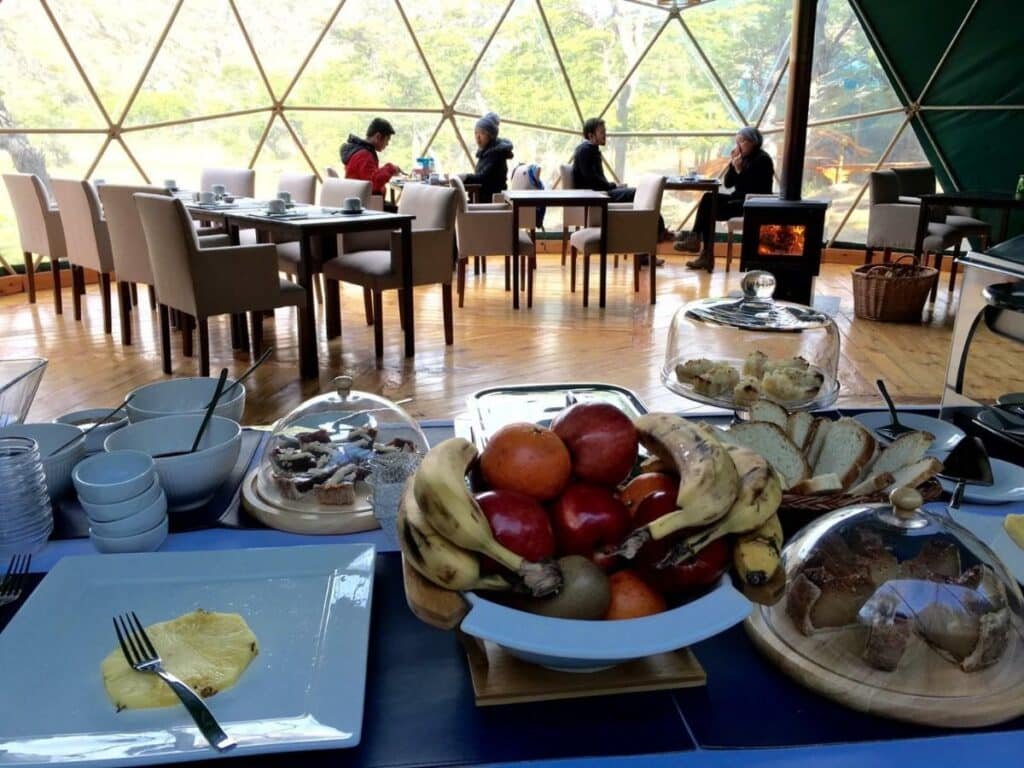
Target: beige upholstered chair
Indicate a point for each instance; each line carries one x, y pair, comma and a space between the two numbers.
301, 186
893, 218
733, 225
240, 182
482, 229
209, 281
39, 228
571, 217
85, 231
631, 229
433, 241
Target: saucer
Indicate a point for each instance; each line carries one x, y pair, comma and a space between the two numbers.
352, 213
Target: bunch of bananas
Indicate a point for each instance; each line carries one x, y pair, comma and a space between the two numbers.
443, 532
722, 491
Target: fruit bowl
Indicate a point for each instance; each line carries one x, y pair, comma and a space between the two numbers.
589, 646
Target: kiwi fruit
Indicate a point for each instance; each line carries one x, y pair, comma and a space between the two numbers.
585, 592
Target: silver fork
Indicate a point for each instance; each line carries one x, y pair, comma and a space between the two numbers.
14, 579
143, 657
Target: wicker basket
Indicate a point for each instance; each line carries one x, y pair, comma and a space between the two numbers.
892, 293
796, 510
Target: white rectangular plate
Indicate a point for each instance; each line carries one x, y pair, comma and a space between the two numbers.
308, 606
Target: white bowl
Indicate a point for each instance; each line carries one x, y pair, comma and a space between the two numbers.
191, 479
109, 513
94, 440
108, 478
184, 396
142, 519
147, 541
59, 466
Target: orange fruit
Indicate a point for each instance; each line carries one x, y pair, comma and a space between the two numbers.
632, 597
642, 486
527, 458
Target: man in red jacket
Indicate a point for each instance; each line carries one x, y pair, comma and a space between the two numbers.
360, 155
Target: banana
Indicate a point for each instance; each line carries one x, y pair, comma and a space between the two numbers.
436, 558
441, 493
757, 555
759, 497
708, 478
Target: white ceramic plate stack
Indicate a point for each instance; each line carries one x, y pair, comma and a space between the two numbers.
121, 495
26, 520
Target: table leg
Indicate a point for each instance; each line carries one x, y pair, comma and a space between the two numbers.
922, 230
515, 255
410, 336
332, 300
1004, 224
602, 278
309, 365
709, 228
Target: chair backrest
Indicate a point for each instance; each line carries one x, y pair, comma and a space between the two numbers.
39, 230
574, 217
884, 187
433, 206
335, 190
461, 198
915, 180
240, 182
172, 244
84, 228
332, 172
127, 240
649, 191
521, 180
301, 186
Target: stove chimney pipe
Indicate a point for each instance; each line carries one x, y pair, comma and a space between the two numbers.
801, 58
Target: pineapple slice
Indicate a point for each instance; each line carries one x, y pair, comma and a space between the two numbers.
1014, 525
208, 651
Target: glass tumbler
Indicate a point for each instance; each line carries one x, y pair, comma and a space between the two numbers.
388, 475
26, 519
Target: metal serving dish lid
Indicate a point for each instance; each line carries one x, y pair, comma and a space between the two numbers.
757, 310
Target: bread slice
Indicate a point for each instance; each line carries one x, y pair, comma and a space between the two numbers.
847, 449
813, 448
916, 473
775, 446
799, 427
872, 484
766, 410
818, 485
909, 448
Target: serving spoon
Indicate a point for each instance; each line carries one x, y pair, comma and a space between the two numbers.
85, 432
206, 419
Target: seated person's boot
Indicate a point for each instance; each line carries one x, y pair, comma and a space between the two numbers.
691, 242
702, 262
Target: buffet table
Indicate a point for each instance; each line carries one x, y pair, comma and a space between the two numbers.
420, 710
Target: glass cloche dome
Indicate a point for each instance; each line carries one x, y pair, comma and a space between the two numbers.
731, 351
899, 610
321, 455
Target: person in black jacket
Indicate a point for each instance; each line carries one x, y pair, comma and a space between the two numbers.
492, 156
750, 171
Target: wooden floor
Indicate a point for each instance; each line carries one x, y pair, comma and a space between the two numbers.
557, 340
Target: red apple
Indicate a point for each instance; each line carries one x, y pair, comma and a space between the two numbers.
643, 485
520, 523
588, 518
698, 571
601, 440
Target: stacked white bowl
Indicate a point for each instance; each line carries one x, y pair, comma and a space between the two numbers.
122, 497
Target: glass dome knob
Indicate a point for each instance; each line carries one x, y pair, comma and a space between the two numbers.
342, 385
906, 509
758, 284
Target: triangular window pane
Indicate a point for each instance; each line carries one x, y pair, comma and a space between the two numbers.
113, 42
41, 87
519, 75
204, 67
452, 55
283, 39
366, 60
115, 167
747, 43
599, 42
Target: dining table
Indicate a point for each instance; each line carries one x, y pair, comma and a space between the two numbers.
420, 709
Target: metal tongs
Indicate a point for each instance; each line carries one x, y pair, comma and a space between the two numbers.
967, 464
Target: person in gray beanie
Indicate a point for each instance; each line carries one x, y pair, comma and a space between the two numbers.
492, 156
751, 171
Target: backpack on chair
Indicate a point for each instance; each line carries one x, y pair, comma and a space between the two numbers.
527, 176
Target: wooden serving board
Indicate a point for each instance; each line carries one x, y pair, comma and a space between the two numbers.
500, 678
925, 688
323, 522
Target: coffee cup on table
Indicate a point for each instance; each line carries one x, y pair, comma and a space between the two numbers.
170, 184
284, 197
352, 204
206, 198
98, 182
276, 206
218, 190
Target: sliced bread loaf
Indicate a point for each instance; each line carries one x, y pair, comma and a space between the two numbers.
847, 449
799, 427
907, 449
812, 449
775, 446
872, 483
819, 484
766, 410
916, 473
